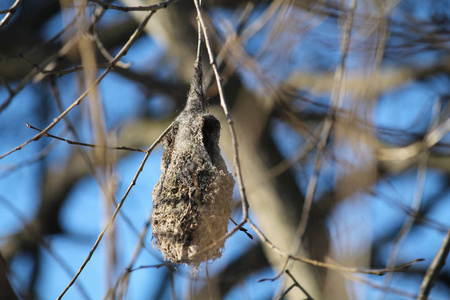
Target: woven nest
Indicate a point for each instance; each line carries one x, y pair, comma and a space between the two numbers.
192, 199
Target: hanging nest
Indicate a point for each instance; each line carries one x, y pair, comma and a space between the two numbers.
192, 199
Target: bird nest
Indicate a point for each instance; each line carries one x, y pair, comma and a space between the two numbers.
192, 199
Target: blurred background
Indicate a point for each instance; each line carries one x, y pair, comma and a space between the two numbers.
341, 109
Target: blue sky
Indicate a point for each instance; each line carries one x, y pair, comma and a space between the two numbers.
406, 108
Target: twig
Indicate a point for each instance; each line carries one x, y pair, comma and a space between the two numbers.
410, 218
86, 158
435, 268
43, 43
121, 53
208, 282
308, 296
6, 85
6, 171
87, 145
100, 45
124, 278
220, 57
431, 139
286, 291
21, 85
378, 287
9, 13
236, 164
117, 58
283, 269
166, 264
57, 98
153, 8
243, 229
111, 221
433, 224
245, 205
336, 103
68, 70
416, 201
331, 266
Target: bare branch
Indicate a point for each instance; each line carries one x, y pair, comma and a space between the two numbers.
223, 103
119, 206
153, 7
119, 55
336, 103
296, 284
9, 13
51, 58
331, 266
70, 142
435, 268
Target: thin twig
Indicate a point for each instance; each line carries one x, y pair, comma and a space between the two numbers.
68, 70
124, 278
236, 164
336, 103
121, 53
86, 144
410, 151
416, 201
242, 187
49, 60
331, 266
117, 58
378, 287
308, 296
6, 85
220, 57
435, 268
166, 264
6, 171
9, 13
111, 221
286, 291
283, 269
172, 285
410, 219
100, 45
43, 43
85, 157
243, 229
433, 224
153, 7
208, 282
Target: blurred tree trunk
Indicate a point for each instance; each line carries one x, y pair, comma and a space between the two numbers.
6, 290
